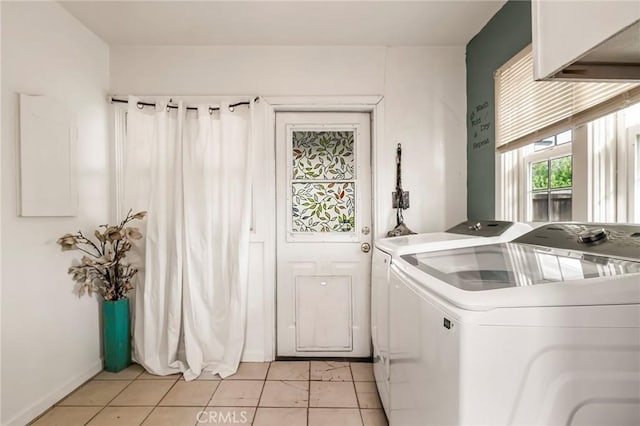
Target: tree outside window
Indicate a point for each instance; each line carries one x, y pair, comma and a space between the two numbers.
551, 184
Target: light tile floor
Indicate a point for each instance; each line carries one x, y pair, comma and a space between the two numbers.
280, 393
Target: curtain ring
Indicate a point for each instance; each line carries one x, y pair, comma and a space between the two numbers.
168, 108
231, 108
211, 110
139, 105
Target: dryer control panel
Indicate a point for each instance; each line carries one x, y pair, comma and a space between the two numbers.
481, 228
606, 239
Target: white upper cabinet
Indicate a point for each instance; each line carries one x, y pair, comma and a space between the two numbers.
586, 40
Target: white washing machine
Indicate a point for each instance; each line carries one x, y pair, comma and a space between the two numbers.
465, 234
544, 330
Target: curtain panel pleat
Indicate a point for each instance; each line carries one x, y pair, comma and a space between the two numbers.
191, 171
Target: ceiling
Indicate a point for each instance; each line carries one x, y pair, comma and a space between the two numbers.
364, 23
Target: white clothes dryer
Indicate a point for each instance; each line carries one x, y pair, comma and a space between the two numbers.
465, 234
544, 330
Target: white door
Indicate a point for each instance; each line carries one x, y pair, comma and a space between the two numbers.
324, 234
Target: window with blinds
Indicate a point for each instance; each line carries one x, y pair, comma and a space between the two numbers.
589, 173
528, 111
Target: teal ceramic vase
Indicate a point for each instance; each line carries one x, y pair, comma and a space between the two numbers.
115, 332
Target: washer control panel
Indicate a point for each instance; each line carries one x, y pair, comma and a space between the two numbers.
613, 240
593, 236
481, 228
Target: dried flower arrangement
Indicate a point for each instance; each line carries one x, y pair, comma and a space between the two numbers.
103, 269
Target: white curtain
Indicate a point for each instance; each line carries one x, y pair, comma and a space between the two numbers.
191, 171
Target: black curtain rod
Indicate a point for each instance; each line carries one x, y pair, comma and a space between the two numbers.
141, 104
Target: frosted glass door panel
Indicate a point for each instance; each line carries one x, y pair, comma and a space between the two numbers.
323, 180
323, 207
321, 155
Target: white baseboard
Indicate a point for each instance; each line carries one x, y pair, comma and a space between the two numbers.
253, 356
46, 401
41, 405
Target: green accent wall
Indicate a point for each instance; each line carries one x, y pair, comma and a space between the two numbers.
507, 33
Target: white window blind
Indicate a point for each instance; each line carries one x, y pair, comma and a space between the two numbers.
528, 110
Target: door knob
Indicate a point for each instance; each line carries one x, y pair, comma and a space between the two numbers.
365, 247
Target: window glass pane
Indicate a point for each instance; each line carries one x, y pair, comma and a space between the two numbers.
544, 143
540, 207
540, 175
323, 207
320, 155
561, 172
564, 137
561, 202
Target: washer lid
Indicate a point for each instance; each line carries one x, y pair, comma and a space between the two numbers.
501, 266
418, 242
398, 246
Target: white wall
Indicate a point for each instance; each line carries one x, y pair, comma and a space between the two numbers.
424, 90
425, 104
425, 96
50, 338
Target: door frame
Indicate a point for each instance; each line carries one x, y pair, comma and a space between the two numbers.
273, 104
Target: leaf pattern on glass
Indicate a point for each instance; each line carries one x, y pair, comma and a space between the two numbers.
323, 207
323, 155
